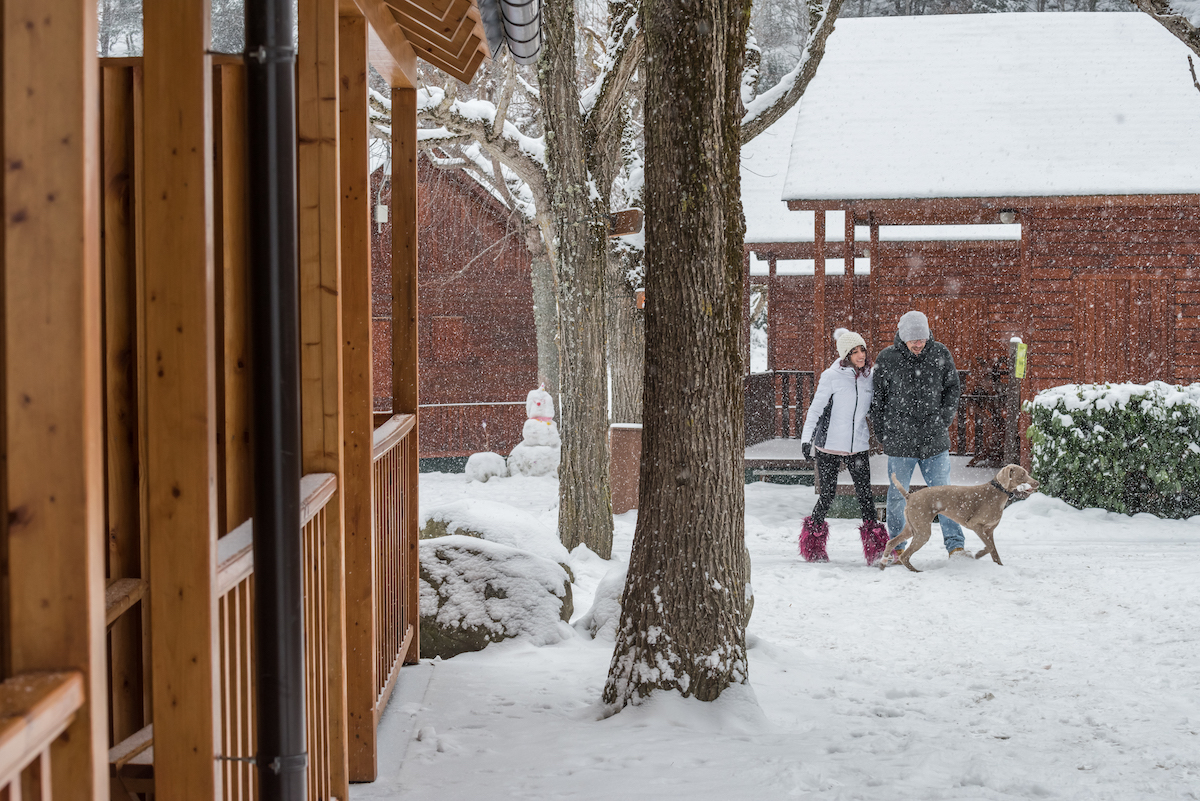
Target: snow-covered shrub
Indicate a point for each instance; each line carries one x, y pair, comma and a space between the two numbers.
475, 592
1122, 447
485, 465
600, 622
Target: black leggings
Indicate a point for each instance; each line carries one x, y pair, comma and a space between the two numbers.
828, 466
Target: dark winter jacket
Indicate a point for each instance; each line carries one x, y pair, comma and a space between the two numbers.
915, 400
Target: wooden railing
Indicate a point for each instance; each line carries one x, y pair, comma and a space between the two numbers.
34, 710
235, 590
392, 481
776, 403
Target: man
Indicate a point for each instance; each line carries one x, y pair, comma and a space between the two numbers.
916, 397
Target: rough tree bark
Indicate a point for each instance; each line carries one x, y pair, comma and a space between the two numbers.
580, 222
682, 618
545, 316
626, 340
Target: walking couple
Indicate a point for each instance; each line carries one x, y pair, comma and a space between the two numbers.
910, 396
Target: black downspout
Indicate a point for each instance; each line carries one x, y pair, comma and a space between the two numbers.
275, 384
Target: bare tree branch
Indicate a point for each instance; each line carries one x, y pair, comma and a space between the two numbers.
1192, 69
501, 184
766, 109
1177, 24
625, 56
506, 93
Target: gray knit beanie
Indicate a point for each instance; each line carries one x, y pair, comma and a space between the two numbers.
913, 325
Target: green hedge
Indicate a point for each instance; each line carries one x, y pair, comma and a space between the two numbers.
1123, 447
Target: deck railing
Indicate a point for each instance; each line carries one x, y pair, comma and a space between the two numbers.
34, 710
391, 478
776, 403
235, 590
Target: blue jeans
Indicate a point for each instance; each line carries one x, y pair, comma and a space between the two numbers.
936, 472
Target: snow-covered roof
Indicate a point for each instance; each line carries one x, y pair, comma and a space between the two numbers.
988, 105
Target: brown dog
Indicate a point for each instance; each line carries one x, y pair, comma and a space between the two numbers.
976, 507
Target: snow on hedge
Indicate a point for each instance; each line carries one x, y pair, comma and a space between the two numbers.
494, 522
1121, 447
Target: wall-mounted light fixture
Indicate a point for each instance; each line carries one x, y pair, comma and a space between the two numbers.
1008, 216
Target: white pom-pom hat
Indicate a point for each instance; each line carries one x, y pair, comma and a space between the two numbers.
847, 341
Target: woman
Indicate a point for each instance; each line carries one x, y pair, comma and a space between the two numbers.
836, 425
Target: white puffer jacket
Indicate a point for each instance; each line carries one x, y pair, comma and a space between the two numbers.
837, 418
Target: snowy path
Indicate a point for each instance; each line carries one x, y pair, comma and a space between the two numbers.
1071, 672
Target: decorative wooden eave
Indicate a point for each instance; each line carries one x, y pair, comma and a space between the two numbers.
448, 34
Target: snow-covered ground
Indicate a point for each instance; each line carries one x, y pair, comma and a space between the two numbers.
1071, 672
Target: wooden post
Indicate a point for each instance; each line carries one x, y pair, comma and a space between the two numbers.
236, 488
53, 480
320, 225
356, 363
848, 275
181, 400
819, 335
404, 326
745, 312
121, 381
1012, 432
1026, 293
772, 331
872, 261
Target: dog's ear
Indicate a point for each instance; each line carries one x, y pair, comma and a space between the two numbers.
1006, 476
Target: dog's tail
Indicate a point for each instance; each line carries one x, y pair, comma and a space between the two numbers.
899, 486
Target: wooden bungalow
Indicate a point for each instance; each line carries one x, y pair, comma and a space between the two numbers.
477, 343
1011, 175
127, 558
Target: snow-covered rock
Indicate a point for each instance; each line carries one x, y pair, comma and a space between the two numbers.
475, 592
494, 522
485, 465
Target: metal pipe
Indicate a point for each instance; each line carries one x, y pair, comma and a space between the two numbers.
274, 352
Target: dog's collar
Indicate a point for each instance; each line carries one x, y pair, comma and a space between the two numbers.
996, 484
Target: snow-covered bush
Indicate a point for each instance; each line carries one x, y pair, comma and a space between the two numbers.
600, 622
475, 592
1122, 447
485, 465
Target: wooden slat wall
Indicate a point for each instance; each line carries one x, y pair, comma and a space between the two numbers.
359, 424
181, 413
1106, 260
53, 414
319, 194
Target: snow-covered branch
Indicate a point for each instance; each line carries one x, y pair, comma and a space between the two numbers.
602, 101
1184, 29
766, 109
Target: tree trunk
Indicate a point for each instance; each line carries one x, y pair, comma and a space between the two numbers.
580, 219
682, 618
545, 318
626, 340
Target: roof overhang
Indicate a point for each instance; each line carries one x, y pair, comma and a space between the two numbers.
446, 33
976, 210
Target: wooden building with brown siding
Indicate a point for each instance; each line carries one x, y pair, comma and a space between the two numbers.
477, 343
1065, 212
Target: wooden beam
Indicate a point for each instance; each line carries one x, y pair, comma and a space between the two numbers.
321, 398
872, 323
357, 388
181, 401
979, 210
848, 276
388, 49
819, 335
404, 323
52, 394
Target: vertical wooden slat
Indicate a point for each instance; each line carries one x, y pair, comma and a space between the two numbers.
181, 403
229, 139
820, 338
872, 287
357, 386
322, 426
848, 275
123, 519
53, 414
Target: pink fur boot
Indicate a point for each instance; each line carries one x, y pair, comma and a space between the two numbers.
812, 540
874, 538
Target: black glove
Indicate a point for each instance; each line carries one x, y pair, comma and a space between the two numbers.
806, 449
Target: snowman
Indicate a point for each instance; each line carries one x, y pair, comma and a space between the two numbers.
537, 454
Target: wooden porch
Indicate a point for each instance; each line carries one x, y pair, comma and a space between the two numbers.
127, 575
